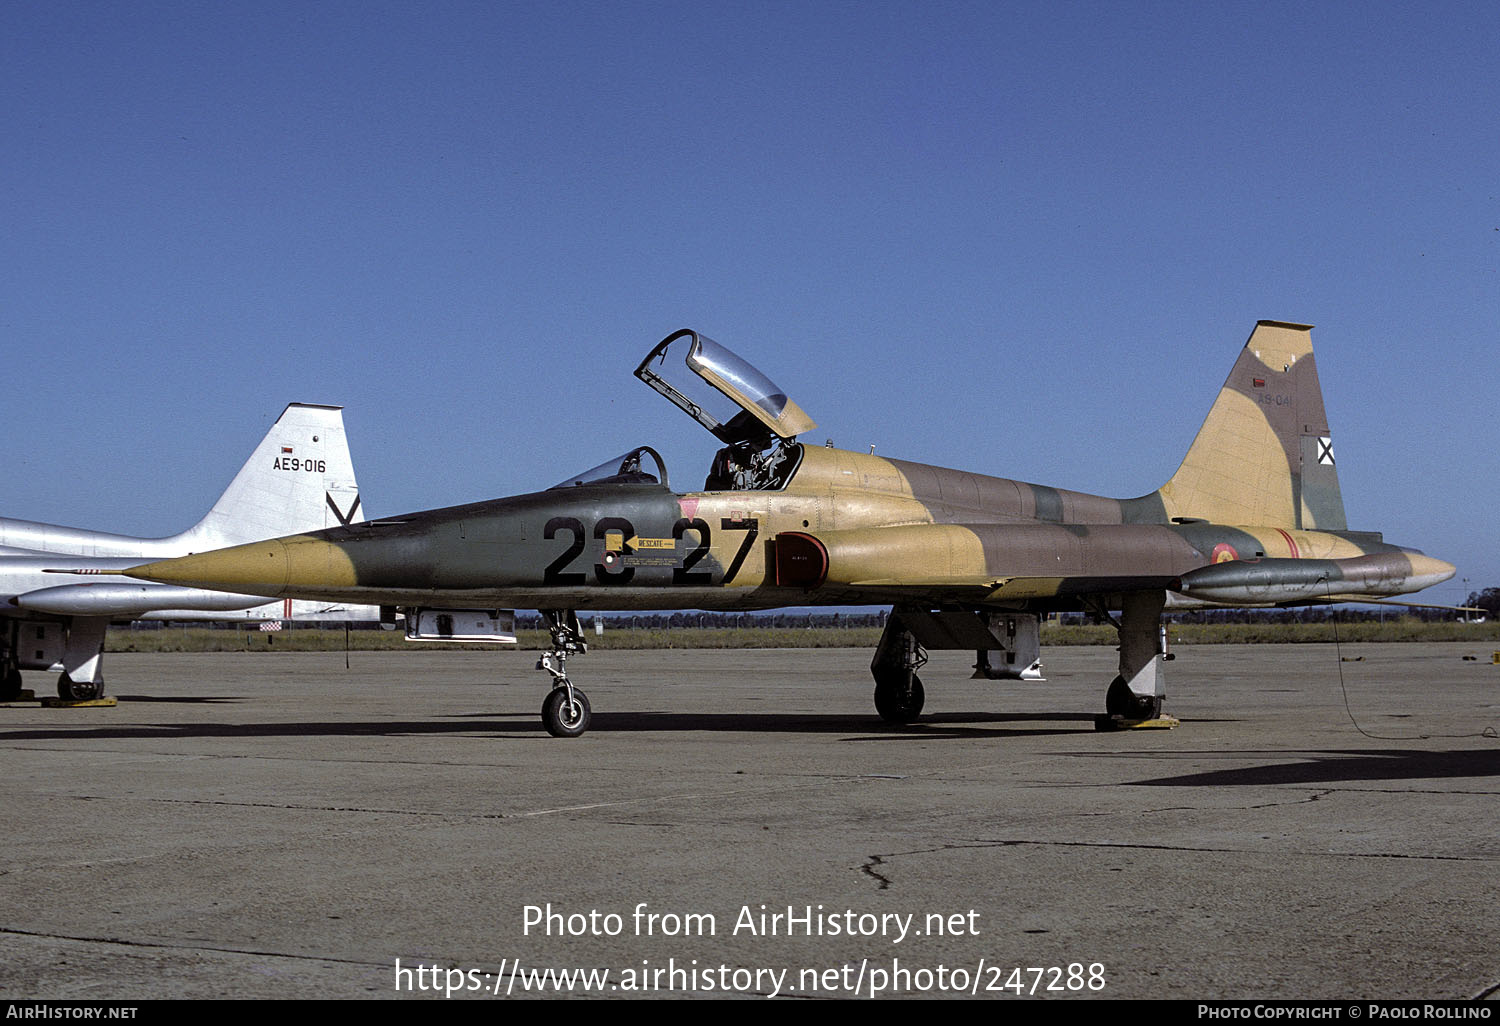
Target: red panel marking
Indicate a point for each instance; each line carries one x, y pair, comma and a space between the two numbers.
1289, 543
801, 560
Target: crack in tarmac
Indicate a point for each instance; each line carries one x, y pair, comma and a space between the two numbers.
261, 756
1142, 846
869, 870
289, 807
454, 816
171, 946
1236, 808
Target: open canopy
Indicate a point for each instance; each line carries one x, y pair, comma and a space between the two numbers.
738, 403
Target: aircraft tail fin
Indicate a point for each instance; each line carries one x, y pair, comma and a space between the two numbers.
299, 478
1264, 455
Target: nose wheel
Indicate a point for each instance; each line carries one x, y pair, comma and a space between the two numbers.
565, 711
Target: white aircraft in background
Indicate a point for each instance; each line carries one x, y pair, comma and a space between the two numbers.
300, 478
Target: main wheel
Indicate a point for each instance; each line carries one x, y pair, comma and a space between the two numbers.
899, 696
10, 684
1120, 701
563, 719
70, 690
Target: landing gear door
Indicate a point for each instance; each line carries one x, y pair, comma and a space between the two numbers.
495, 626
722, 392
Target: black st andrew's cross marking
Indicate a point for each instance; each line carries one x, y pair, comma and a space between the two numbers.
344, 520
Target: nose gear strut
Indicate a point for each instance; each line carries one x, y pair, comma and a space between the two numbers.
565, 711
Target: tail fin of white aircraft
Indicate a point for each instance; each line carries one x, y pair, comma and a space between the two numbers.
1264, 455
300, 478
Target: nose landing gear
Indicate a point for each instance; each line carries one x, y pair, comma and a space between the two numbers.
565, 711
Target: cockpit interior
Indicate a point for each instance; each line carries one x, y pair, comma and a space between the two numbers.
743, 408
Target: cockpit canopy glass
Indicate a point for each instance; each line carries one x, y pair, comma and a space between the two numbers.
722, 392
626, 469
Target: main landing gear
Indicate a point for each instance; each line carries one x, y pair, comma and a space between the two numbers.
1007, 646
70, 690
898, 689
10, 662
10, 682
74, 645
565, 712
1138, 691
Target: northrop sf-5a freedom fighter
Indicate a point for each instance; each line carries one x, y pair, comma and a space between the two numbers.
1253, 517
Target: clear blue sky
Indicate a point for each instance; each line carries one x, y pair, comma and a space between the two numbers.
1022, 238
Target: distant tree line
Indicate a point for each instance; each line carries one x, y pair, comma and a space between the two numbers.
1488, 600
1315, 614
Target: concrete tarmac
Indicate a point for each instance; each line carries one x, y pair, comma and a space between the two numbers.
276, 826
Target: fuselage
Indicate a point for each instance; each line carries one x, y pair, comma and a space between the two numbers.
887, 531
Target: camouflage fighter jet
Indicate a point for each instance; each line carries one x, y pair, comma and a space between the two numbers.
1253, 517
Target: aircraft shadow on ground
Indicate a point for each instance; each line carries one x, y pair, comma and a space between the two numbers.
528, 725
933, 727
1340, 766
1326, 767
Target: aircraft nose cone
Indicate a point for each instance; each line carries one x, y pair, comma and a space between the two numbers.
260, 568
1426, 571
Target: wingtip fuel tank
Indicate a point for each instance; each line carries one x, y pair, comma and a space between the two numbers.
1289, 581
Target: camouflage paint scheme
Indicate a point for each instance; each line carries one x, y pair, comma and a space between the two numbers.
1253, 516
